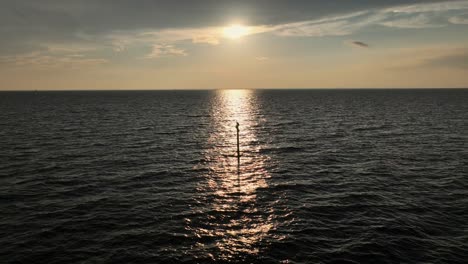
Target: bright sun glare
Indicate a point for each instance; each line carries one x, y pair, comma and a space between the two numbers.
235, 31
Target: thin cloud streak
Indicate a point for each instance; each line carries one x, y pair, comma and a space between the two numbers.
358, 44
45, 60
419, 21
428, 7
459, 20
397, 17
164, 50
261, 58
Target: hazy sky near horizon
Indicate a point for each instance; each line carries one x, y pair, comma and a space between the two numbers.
162, 44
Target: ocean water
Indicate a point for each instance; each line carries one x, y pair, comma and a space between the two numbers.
325, 176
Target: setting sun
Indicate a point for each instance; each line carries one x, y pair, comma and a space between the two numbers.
235, 31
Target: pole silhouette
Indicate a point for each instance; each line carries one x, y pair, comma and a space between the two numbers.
238, 156
238, 147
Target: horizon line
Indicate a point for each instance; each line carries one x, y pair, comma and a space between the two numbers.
214, 89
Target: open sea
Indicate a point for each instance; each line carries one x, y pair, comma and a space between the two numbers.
325, 176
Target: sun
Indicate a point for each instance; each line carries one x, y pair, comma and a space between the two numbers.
235, 31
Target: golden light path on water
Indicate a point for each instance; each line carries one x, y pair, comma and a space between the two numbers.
237, 106
236, 221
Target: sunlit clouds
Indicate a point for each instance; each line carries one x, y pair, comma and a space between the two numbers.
235, 31
411, 16
461, 19
165, 50
416, 21
216, 43
54, 57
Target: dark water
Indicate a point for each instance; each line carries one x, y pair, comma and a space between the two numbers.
360, 176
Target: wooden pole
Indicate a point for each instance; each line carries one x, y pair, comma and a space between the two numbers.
238, 157
238, 147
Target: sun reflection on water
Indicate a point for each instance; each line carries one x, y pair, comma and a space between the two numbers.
235, 221
240, 106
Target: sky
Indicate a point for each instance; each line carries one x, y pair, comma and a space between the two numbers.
215, 44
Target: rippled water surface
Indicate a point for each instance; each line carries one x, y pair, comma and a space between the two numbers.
325, 176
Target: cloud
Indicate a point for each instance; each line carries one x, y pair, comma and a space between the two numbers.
207, 39
47, 60
27, 26
422, 15
119, 46
405, 16
87, 15
164, 50
67, 49
54, 56
261, 58
440, 6
326, 26
461, 19
419, 21
358, 44
209, 35
60, 20
311, 29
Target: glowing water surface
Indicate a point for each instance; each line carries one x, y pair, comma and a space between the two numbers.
236, 223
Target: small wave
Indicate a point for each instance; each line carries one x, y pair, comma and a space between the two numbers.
281, 150
143, 128
370, 128
198, 116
